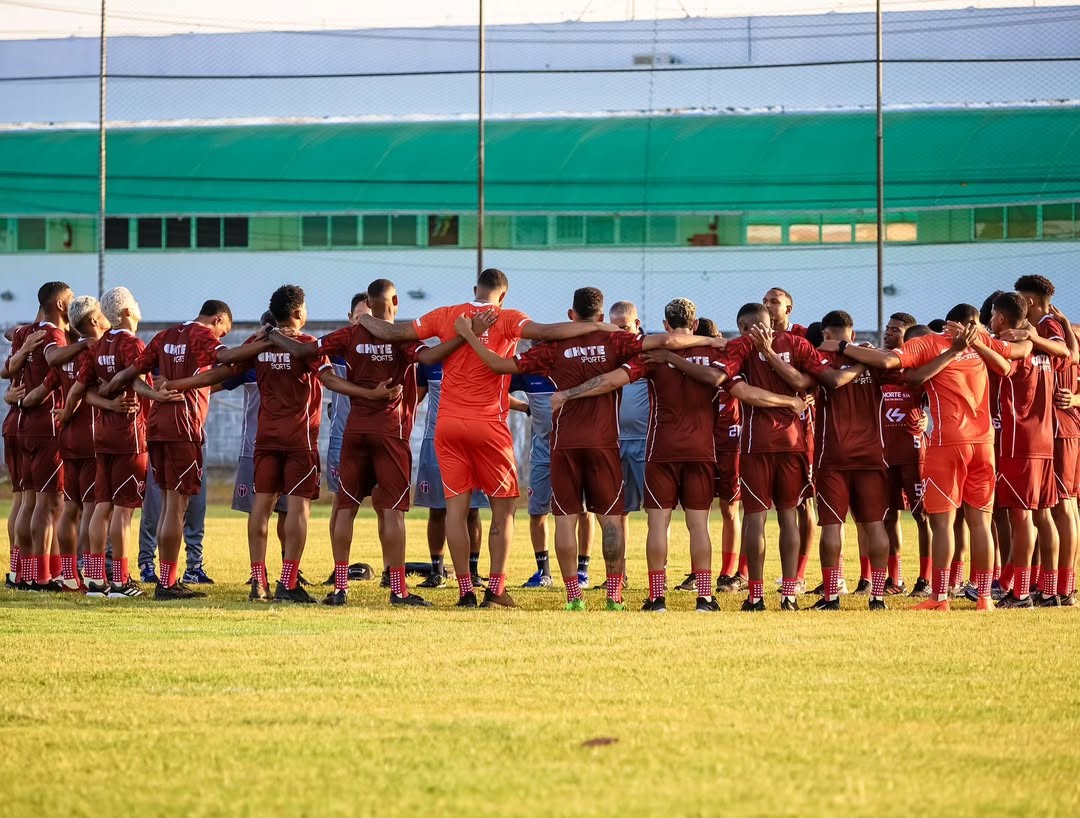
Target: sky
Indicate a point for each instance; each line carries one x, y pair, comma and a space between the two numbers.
64, 18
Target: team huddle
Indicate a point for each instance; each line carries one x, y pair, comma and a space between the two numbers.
971, 423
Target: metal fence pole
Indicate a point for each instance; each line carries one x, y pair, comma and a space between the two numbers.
480, 143
101, 157
880, 186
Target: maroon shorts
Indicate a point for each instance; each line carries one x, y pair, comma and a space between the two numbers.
726, 483
864, 491
177, 465
780, 479
79, 476
40, 465
1067, 466
291, 474
687, 483
120, 479
905, 487
586, 480
11, 459
378, 466
1025, 483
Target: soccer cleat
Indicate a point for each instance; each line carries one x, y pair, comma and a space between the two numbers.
384, 581
800, 587
1069, 600
863, 588
789, 603
147, 573
877, 605
819, 589
196, 576
260, 592
436, 579
300, 578
97, 589
970, 593
658, 605
71, 586
984, 603
538, 580
583, 579
688, 584
297, 594
467, 601
124, 590
176, 591
753, 607
575, 605
921, 589
44, 587
479, 581
9, 581
1010, 600
842, 588
893, 589
503, 600
824, 604
932, 605
1051, 601
997, 593
731, 585
706, 605
336, 598
22, 586
612, 605
408, 601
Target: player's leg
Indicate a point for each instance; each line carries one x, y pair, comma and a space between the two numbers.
476, 540
42, 529
27, 561
566, 526
1048, 545
807, 516
296, 529
453, 445
656, 550
82, 546
1064, 516
261, 507
584, 548
98, 537
14, 548
539, 494
170, 537
195, 533
67, 534
944, 473
961, 537
121, 585
459, 543
341, 544
149, 523
789, 486
614, 549
393, 471
697, 524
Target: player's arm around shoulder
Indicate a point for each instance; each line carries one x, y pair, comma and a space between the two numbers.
466, 329
598, 385
564, 331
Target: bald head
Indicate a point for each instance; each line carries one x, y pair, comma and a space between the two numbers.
624, 314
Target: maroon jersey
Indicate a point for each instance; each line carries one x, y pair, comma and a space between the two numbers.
772, 430
1066, 421
727, 423
180, 352
1023, 407
593, 422
797, 329
11, 420
681, 410
369, 362
290, 399
898, 401
849, 422
77, 438
40, 421
115, 432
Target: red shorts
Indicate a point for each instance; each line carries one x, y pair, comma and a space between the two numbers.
586, 479
11, 459
374, 465
79, 477
1067, 466
177, 465
864, 491
1025, 483
40, 465
120, 479
726, 482
780, 479
905, 484
476, 454
686, 483
292, 474
954, 475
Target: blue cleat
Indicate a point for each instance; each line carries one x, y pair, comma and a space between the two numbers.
197, 576
147, 573
583, 579
538, 580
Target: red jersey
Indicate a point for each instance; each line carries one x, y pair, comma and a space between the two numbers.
849, 422
290, 399
114, 432
958, 396
681, 410
727, 422
772, 430
592, 422
471, 391
898, 400
797, 329
40, 421
11, 419
1023, 406
369, 362
77, 438
180, 352
1066, 421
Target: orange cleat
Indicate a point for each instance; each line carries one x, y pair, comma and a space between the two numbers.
985, 603
932, 605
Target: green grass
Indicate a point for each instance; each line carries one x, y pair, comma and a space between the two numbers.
220, 707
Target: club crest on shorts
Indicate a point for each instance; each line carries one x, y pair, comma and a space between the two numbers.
242, 490
425, 486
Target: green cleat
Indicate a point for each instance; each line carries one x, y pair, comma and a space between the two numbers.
576, 605
612, 605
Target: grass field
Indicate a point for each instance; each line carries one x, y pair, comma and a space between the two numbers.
220, 707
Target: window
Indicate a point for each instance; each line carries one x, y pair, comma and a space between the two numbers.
631, 229
116, 234
234, 230
344, 231
764, 234
1022, 222
443, 231
804, 233
148, 234
531, 231
569, 229
207, 232
31, 234
376, 230
866, 232
662, 229
901, 231
600, 230
836, 233
403, 230
989, 223
178, 233
313, 231
1058, 222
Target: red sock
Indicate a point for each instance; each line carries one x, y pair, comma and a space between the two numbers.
941, 586
971, 572
497, 584
956, 573
341, 576
895, 570
614, 587
787, 586
397, 581
1066, 578
831, 580
14, 563
727, 564
166, 571
289, 569
982, 583
801, 573
1036, 572
464, 584
756, 589
573, 588
864, 568
1021, 582
43, 573
67, 567
55, 565
1048, 582
704, 583
997, 572
96, 567
877, 582
924, 568
258, 573
657, 584
742, 565
24, 571
1006, 578
120, 571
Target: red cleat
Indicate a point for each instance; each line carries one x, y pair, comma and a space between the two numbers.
932, 605
985, 603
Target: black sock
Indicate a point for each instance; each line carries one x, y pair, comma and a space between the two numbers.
474, 564
583, 563
437, 565
542, 564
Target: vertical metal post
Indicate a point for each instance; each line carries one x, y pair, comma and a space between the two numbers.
480, 143
101, 157
880, 185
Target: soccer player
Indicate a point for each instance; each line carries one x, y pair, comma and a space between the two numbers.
850, 472
176, 429
958, 472
778, 302
538, 389
376, 458
472, 440
1024, 411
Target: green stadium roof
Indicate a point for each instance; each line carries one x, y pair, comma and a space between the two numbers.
706, 163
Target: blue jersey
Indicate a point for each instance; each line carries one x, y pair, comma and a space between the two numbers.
430, 377
339, 404
634, 411
538, 390
252, 403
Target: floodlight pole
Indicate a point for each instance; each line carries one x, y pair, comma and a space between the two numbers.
101, 158
880, 185
480, 48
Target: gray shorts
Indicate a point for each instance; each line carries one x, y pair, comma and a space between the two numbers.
429, 487
632, 454
539, 487
244, 488
333, 465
